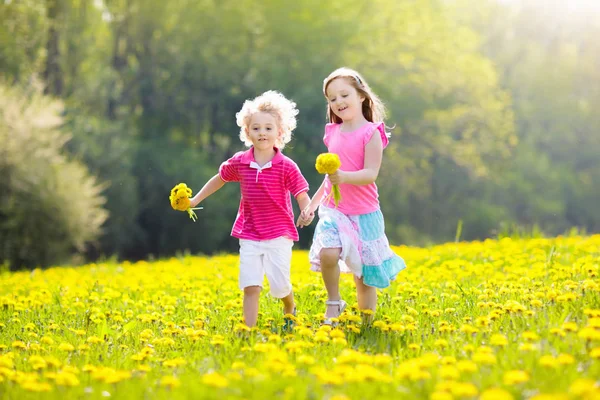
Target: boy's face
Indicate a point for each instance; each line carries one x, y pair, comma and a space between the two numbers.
263, 131
344, 99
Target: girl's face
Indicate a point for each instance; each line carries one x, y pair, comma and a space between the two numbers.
344, 99
263, 131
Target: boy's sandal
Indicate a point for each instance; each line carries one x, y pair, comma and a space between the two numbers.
341, 307
289, 323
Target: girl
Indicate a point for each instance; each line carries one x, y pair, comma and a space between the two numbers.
265, 220
351, 237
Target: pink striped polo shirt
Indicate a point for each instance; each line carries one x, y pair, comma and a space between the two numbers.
265, 210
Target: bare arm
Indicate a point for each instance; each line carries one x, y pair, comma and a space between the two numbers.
367, 175
303, 200
317, 198
215, 183
307, 213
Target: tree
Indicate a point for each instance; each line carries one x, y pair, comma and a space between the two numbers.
50, 206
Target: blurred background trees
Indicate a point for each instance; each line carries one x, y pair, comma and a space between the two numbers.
492, 103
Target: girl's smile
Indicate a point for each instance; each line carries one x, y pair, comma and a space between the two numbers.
344, 100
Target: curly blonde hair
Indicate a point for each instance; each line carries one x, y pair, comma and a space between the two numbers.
283, 110
373, 108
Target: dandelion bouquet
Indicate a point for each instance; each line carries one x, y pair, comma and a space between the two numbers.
328, 163
180, 200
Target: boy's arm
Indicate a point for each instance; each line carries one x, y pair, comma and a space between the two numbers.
215, 183
303, 200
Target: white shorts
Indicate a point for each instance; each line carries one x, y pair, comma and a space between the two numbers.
270, 257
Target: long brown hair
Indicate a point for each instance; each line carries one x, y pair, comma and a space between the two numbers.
372, 107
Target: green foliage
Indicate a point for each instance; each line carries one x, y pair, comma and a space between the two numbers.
492, 109
108, 153
23, 28
49, 205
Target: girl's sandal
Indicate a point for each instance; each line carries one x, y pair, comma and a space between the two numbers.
341, 307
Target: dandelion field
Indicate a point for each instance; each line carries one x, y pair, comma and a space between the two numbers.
500, 319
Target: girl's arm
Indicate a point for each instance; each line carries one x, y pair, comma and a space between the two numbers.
308, 211
367, 175
215, 183
316, 200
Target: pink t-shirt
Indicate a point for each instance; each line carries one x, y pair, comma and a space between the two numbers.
350, 147
265, 210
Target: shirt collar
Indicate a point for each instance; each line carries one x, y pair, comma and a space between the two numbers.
248, 156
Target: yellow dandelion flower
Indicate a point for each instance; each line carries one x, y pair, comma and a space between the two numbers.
176, 362
527, 347
47, 340
449, 372
306, 360
570, 326
565, 359
18, 344
590, 313
37, 362
594, 323
464, 389
215, 379
66, 347
496, 394
179, 199
584, 387
329, 163
499, 340
64, 378
553, 396
336, 333
466, 366
468, 348
441, 396
35, 386
94, 340
484, 358
589, 334
558, 332
530, 336
170, 382
515, 377
35, 347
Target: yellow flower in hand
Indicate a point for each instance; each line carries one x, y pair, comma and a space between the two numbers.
329, 163
180, 200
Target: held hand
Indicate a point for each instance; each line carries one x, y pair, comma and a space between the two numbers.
305, 218
338, 177
194, 202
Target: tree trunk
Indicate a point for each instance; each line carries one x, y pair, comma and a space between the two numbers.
53, 74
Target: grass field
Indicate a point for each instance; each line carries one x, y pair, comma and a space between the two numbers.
505, 319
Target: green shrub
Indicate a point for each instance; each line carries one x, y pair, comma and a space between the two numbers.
50, 206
